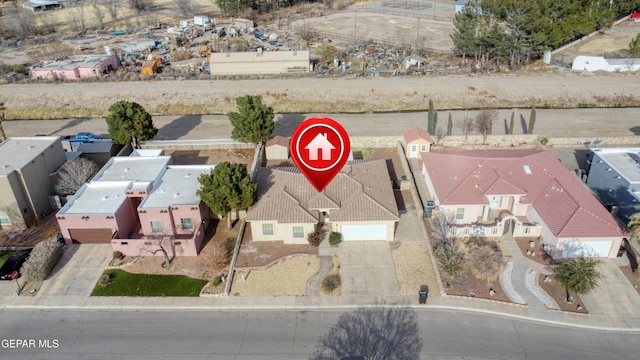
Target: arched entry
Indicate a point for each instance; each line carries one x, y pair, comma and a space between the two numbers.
509, 224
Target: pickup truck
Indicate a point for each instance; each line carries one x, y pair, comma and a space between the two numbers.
84, 137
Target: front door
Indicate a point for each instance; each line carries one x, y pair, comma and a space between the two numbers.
413, 151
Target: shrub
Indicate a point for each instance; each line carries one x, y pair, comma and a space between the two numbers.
335, 238
42, 259
104, 280
544, 140
217, 281
331, 283
118, 255
314, 238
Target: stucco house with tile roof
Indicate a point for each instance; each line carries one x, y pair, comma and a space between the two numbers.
525, 193
136, 202
359, 203
416, 142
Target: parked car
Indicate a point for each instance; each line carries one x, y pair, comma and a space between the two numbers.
260, 36
275, 43
14, 263
423, 294
84, 137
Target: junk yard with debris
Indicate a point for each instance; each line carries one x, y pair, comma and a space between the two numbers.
307, 39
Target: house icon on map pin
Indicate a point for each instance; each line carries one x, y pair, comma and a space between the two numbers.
320, 144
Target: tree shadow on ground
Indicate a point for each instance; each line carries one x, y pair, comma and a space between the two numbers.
70, 124
385, 332
523, 122
635, 130
178, 127
287, 123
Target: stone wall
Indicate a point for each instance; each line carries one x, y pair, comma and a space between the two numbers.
196, 144
375, 141
589, 141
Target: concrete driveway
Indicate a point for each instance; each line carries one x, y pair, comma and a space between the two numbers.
614, 296
77, 271
366, 268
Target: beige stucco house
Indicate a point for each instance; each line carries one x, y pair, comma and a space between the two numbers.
526, 193
359, 203
416, 142
27, 170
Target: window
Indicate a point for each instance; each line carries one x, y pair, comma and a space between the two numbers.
156, 226
267, 229
459, 213
124, 243
186, 223
4, 218
177, 243
298, 231
148, 243
423, 148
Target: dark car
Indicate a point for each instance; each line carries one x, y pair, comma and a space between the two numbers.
423, 294
14, 263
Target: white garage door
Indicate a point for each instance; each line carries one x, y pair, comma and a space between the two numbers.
589, 248
364, 232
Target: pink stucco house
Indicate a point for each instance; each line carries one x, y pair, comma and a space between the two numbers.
75, 67
137, 203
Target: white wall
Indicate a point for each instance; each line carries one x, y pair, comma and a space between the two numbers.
598, 63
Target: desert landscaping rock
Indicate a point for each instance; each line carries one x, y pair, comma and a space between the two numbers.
287, 278
414, 268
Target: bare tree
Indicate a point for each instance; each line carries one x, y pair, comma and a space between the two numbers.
445, 244
185, 8
50, 51
484, 122
466, 125
48, 21
3, 136
74, 174
440, 134
76, 18
389, 333
305, 32
19, 22
113, 6
486, 263
140, 5
98, 12
162, 247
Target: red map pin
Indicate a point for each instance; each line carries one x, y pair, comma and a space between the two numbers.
320, 147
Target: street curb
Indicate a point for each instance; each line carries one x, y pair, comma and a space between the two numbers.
322, 308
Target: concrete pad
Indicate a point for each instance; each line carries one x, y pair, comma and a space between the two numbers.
410, 225
77, 271
614, 296
366, 268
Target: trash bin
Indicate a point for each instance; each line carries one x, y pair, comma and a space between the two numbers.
428, 209
423, 294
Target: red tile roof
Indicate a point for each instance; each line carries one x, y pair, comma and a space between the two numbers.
417, 134
567, 207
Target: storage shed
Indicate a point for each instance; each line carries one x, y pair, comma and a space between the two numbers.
277, 148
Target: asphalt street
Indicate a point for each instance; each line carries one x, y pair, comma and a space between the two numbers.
285, 335
549, 123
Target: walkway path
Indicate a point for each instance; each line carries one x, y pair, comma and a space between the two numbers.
313, 284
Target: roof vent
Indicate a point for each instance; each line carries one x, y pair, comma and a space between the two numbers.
105, 197
188, 174
176, 194
127, 169
30, 147
5, 166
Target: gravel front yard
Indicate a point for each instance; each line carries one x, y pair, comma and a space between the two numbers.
414, 268
287, 278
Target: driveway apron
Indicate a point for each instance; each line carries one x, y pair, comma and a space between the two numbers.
366, 268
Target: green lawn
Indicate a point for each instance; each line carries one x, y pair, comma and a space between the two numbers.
127, 284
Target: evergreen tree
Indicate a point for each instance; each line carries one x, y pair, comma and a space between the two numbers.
431, 126
253, 123
227, 188
579, 275
512, 122
129, 122
449, 125
634, 46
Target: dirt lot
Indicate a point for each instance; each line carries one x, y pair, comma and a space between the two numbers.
614, 40
413, 268
287, 278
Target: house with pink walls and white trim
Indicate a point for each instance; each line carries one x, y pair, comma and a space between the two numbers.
138, 203
75, 67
